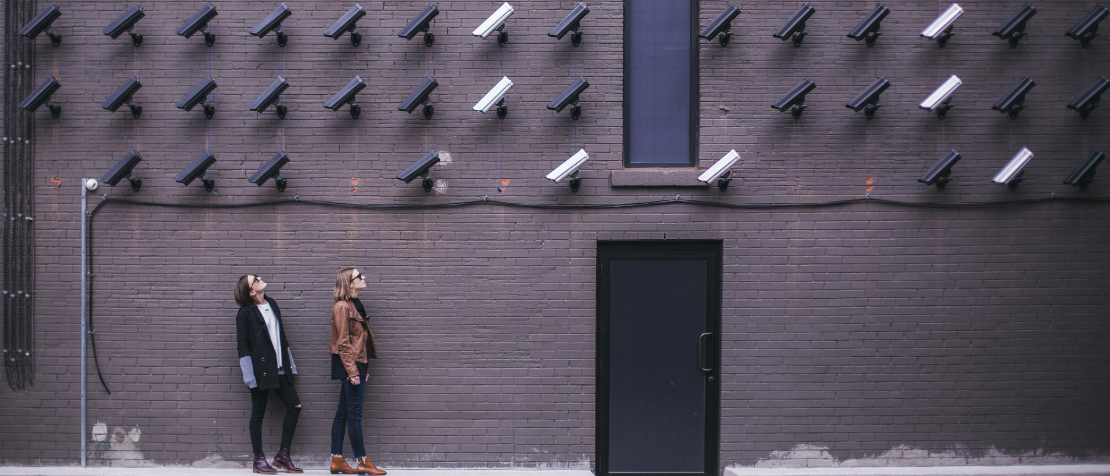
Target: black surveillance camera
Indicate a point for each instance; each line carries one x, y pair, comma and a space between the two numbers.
125, 23
940, 173
795, 27
422, 22
198, 22
722, 25
346, 23
868, 29
796, 98
271, 169
1087, 28
421, 168
41, 95
420, 96
41, 23
123, 96
570, 96
1087, 102
123, 169
1014, 28
868, 100
273, 22
197, 94
572, 22
1085, 174
347, 96
1014, 101
196, 169
271, 95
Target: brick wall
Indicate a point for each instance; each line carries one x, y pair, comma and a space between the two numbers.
859, 328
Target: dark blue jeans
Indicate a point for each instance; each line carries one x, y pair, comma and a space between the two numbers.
349, 414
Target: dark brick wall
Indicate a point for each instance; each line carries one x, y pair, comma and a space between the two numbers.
859, 327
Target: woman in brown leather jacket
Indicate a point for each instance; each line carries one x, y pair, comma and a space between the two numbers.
351, 345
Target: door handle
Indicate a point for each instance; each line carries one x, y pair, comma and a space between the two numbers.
701, 352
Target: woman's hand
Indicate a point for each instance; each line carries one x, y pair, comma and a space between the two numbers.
355, 380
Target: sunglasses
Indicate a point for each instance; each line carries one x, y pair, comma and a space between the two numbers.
358, 276
253, 278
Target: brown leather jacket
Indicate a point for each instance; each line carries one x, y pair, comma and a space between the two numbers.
349, 332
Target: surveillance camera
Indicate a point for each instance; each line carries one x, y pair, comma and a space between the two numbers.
197, 94
941, 172
570, 96
422, 22
1014, 171
1085, 174
1014, 101
941, 28
123, 95
721, 171
421, 168
1014, 28
271, 169
1089, 100
795, 26
123, 169
347, 95
572, 22
939, 100
495, 22
722, 25
868, 100
41, 95
796, 98
196, 169
868, 29
495, 96
91, 184
346, 23
420, 96
125, 23
273, 22
1087, 28
199, 21
569, 168
41, 23
271, 95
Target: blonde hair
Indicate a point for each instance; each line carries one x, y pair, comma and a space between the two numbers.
343, 285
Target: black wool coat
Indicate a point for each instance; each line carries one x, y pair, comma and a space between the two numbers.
257, 356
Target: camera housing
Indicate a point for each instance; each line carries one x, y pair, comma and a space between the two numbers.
1014, 171
1089, 100
123, 95
273, 22
421, 168
868, 29
941, 28
1087, 28
1085, 174
868, 100
940, 100
347, 23
200, 21
197, 94
496, 95
940, 173
126, 23
570, 96
346, 95
1014, 101
795, 26
41, 95
124, 169
269, 96
41, 23
420, 96
422, 22
1014, 28
569, 168
572, 22
496, 22
271, 170
721, 171
796, 98
196, 169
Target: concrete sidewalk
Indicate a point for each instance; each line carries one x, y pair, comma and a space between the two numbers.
190, 471
1025, 470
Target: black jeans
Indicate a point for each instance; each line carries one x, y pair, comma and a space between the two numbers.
349, 415
288, 396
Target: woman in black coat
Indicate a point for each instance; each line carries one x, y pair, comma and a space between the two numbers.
259, 333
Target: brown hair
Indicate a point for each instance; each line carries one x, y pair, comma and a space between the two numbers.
243, 292
343, 291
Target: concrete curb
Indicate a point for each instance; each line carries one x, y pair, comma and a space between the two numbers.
1028, 470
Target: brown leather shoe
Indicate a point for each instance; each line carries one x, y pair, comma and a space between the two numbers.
283, 461
366, 465
340, 466
261, 466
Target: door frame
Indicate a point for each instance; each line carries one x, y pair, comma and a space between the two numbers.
607, 250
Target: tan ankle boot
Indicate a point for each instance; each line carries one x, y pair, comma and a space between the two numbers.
366, 465
340, 466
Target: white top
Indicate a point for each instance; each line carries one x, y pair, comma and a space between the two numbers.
272, 329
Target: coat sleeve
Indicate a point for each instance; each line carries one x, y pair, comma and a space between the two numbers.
242, 339
341, 323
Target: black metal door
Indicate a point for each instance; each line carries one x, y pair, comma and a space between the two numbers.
658, 358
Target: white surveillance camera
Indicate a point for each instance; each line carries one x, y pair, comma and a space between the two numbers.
940, 29
722, 170
91, 184
494, 21
939, 100
569, 168
1013, 173
495, 95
